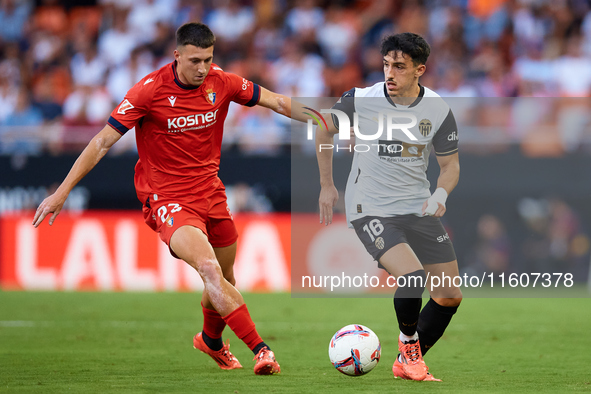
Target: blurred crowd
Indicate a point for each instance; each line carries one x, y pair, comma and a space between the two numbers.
548, 236
64, 65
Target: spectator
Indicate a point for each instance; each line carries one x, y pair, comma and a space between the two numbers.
46, 102
231, 24
87, 67
10, 64
116, 44
454, 84
297, 73
85, 109
492, 251
303, 20
145, 15
51, 17
8, 94
20, 136
14, 16
572, 71
122, 78
336, 36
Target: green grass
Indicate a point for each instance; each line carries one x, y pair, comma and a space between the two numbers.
135, 342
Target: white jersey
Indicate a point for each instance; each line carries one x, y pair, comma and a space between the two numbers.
388, 174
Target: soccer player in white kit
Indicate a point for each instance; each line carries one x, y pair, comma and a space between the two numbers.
387, 198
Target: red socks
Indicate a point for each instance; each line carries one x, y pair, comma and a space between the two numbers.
242, 325
213, 323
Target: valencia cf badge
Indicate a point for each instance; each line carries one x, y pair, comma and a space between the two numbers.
425, 127
210, 96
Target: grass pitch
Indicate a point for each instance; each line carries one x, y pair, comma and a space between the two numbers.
141, 343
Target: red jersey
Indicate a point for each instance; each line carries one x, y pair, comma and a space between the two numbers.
179, 127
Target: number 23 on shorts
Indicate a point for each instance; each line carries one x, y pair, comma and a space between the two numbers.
164, 210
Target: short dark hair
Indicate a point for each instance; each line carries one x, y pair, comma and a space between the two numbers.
410, 44
196, 34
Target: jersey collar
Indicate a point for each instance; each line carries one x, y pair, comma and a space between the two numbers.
414, 104
178, 81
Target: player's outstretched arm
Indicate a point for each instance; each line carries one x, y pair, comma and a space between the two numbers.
284, 105
328, 192
276, 102
449, 175
90, 156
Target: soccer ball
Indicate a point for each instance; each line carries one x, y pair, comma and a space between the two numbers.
354, 350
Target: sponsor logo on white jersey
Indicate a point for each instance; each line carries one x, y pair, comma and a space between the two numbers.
453, 136
388, 122
192, 120
125, 105
172, 100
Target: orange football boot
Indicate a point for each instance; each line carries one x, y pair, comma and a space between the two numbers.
266, 363
223, 357
411, 360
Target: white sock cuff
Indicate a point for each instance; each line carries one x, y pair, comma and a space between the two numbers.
406, 338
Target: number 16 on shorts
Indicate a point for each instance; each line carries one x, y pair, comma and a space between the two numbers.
374, 228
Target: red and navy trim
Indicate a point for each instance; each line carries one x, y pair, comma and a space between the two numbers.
256, 95
114, 123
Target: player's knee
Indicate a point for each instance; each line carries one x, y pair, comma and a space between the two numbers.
209, 269
450, 302
411, 285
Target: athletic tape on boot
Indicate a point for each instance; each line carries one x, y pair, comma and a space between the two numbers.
439, 196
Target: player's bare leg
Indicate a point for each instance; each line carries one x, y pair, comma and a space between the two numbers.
209, 340
214, 324
401, 262
190, 244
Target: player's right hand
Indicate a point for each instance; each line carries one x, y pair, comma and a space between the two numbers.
52, 204
328, 199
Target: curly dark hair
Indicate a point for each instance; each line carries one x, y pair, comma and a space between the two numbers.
410, 44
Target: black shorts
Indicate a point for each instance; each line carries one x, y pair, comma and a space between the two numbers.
425, 235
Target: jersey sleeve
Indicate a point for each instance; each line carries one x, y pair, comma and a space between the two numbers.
345, 104
135, 105
243, 91
445, 140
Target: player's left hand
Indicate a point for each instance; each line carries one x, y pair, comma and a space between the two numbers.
438, 212
52, 204
435, 205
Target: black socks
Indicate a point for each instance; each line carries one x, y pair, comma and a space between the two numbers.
433, 321
407, 301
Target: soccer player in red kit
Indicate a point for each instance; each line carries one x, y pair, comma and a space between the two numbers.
178, 113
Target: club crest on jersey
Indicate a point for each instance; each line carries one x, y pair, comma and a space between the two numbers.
170, 221
425, 127
210, 96
125, 105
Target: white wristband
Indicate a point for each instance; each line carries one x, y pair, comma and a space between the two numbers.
439, 196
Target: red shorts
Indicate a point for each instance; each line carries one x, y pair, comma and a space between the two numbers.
208, 211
